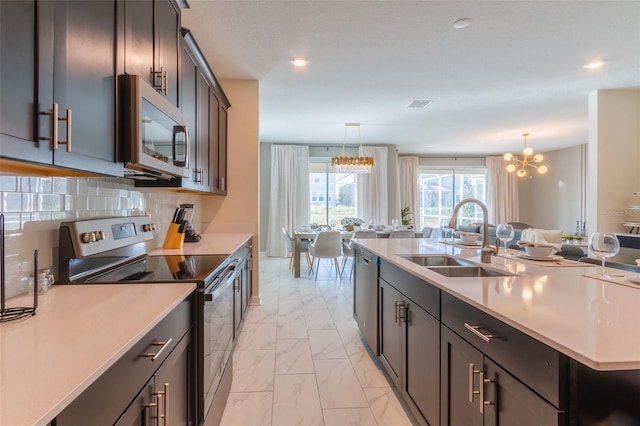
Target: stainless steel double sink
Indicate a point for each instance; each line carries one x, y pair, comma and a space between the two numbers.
453, 267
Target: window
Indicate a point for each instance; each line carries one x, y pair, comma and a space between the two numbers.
440, 190
333, 195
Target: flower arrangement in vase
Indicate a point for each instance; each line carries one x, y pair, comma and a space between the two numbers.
349, 222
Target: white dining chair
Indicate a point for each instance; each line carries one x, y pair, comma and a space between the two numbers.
327, 245
347, 247
427, 231
290, 243
402, 233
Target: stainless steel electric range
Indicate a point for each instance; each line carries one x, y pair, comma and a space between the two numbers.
113, 250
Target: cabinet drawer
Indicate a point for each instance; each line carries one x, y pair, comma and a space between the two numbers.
542, 368
105, 400
420, 292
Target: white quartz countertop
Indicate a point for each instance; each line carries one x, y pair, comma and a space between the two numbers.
593, 321
78, 332
211, 243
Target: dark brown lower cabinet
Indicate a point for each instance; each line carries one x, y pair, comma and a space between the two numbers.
476, 391
409, 351
140, 389
165, 398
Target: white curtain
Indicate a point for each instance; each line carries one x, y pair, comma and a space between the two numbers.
289, 203
502, 192
372, 201
408, 179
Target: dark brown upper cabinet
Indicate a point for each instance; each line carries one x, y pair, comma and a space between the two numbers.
152, 44
59, 61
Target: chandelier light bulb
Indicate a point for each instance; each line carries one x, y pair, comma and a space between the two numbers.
511, 168
542, 170
508, 156
538, 158
522, 173
527, 151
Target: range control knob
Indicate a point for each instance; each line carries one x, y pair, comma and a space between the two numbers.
99, 235
87, 237
148, 227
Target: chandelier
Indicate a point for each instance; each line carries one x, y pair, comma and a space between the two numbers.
357, 165
527, 159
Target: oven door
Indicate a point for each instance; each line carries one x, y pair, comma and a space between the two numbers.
217, 335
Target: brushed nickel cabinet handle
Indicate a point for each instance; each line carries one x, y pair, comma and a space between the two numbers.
402, 313
154, 356
166, 404
164, 81
54, 124
68, 141
483, 403
163, 397
397, 312
475, 329
472, 372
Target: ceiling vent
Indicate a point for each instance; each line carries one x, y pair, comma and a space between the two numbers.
419, 104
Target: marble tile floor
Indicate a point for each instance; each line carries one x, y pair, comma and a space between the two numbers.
300, 361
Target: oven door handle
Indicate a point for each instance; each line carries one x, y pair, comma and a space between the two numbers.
208, 293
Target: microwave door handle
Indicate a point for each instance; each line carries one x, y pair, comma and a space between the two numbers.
185, 161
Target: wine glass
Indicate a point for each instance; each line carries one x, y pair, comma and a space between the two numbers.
445, 229
604, 245
504, 233
395, 223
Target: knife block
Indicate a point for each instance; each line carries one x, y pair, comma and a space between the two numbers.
173, 239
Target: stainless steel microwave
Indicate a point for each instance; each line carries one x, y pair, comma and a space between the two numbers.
153, 136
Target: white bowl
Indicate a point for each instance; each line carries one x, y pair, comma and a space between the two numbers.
469, 237
539, 251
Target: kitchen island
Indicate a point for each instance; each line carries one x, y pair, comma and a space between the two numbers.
548, 325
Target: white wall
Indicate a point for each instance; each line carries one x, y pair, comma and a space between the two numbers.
613, 157
555, 200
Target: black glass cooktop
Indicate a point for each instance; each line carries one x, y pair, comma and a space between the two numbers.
168, 268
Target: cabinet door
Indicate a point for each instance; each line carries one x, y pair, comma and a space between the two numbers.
167, 46
18, 85
214, 142
509, 402
421, 371
203, 142
460, 367
173, 381
390, 331
222, 148
237, 305
139, 38
142, 410
189, 108
84, 68
246, 285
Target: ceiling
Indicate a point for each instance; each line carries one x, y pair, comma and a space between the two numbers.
517, 67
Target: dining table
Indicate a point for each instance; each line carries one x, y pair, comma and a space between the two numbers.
302, 234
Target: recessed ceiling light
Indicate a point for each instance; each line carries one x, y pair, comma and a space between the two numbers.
594, 64
462, 23
421, 103
299, 62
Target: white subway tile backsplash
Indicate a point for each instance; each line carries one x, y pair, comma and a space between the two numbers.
61, 185
50, 202
34, 207
11, 202
9, 183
